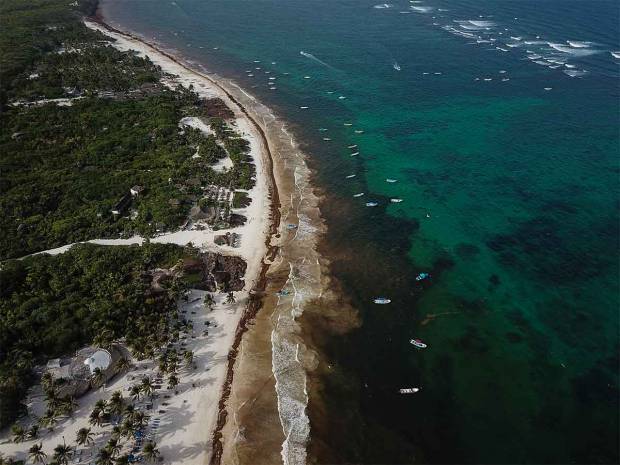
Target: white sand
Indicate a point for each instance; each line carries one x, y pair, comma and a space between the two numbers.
183, 435
187, 427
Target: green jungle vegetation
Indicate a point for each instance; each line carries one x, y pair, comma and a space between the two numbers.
64, 168
53, 305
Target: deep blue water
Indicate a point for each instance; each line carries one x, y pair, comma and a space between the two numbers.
501, 129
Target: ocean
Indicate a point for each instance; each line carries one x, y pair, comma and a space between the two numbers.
498, 123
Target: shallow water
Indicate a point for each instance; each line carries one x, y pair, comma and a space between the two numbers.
504, 146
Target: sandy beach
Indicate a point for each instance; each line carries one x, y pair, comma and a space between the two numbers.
259, 414
184, 432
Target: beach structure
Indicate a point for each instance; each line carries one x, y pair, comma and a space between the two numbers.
122, 205
79, 372
136, 190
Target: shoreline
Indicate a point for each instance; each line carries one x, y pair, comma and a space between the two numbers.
259, 283
291, 261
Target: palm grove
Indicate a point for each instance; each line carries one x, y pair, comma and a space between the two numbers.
62, 169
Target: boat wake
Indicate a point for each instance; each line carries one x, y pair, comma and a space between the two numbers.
312, 57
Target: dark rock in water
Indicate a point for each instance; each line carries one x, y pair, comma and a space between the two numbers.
494, 280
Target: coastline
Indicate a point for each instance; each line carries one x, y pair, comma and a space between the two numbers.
256, 280
280, 369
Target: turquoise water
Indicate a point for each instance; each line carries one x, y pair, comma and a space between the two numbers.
507, 164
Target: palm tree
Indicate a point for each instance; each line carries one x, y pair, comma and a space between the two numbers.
51, 395
113, 446
140, 419
33, 431
122, 460
97, 377
47, 381
151, 453
48, 420
127, 428
68, 405
84, 436
123, 364
130, 411
147, 387
36, 453
62, 453
230, 298
188, 356
96, 417
19, 433
101, 404
116, 432
135, 392
116, 403
173, 381
104, 457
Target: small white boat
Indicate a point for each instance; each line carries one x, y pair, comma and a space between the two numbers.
419, 344
348, 124
422, 276
342, 97
408, 390
304, 108
351, 176
306, 77
326, 138
272, 88
359, 131
358, 195
371, 204
391, 180
396, 66
355, 154
250, 75
352, 146
322, 129
382, 300
396, 200
548, 88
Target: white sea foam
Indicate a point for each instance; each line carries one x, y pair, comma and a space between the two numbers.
579, 44
577, 52
383, 6
575, 72
422, 9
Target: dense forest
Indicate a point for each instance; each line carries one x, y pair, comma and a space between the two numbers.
53, 305
65, 166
